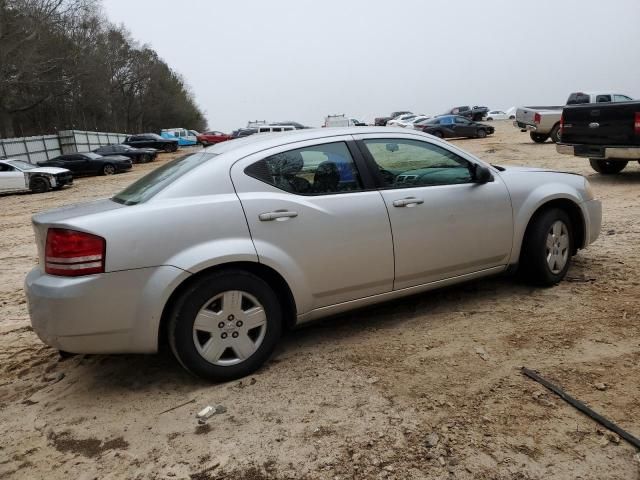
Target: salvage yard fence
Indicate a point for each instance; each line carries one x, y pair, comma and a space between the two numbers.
44, 147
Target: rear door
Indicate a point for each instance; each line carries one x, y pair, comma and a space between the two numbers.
313, 215
443, 223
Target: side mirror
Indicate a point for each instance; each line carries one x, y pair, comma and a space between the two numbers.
482, 174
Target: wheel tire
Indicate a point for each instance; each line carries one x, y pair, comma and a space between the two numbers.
438, 134
183, 338
108, 169
607, 167
489, 119
536, 254
146, 158
555, 134
168, 148
39, 185
538, 137
512, 117
482, 133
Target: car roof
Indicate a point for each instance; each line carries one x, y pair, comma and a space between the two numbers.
259, 142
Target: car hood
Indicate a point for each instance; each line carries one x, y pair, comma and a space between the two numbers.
49, 170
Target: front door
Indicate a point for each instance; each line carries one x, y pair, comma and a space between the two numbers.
443, 223
11, 178
313, 219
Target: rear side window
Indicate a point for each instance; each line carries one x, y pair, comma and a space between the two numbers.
578, 98
315, 170
603, 98
155, 181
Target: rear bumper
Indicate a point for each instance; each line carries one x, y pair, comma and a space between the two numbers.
525, 126
599, 151
116, 312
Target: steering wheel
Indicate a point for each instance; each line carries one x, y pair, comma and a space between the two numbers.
388, 177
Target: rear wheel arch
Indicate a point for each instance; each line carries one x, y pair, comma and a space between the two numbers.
268, 274
576, 216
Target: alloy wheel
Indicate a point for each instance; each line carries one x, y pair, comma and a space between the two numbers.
229, 328
557, 247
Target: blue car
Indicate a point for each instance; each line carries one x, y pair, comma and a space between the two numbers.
185, 137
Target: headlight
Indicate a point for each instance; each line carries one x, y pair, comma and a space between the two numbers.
588, 191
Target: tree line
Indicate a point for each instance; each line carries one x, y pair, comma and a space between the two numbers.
64, 66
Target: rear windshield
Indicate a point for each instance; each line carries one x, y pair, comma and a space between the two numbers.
146, 187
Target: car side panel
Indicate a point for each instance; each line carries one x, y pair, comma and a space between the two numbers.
527, 201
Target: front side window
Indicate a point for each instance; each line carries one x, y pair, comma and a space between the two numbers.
621, 98
315, 170
412, 163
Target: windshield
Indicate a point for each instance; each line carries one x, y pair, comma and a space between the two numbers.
21, 165
152, 183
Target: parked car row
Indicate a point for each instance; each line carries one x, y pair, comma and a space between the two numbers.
17, 175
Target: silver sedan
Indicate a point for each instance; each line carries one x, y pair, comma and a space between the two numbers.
219, 251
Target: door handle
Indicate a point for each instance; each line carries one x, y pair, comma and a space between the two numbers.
267, 217
407, 202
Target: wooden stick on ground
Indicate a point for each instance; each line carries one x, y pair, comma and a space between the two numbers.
582, 407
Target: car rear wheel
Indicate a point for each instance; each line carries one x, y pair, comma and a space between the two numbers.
438, 134
108, 169
555, 134
39, 185
547, 247
538, 137
482, 133
146, 158
168, 148
226, 325
607, 167
489, 119
512, 117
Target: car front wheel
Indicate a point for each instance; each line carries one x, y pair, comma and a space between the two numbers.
482, 133
39, 185
225, 325
547, 247
108, 169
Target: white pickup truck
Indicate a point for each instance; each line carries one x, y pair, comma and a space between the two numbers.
544, 122
16, 175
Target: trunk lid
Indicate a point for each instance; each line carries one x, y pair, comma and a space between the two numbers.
601, 124
62, 217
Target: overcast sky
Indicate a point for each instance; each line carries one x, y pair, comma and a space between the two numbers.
304, 59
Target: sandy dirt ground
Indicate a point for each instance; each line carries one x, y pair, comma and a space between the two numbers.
426, 387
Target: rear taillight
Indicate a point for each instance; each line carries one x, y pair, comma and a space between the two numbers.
536, 118
70, 253
636, 125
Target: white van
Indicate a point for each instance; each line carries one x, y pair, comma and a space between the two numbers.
275, 128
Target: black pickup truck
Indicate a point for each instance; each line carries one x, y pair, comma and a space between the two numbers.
608, 134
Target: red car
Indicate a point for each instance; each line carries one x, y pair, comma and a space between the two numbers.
212, 137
